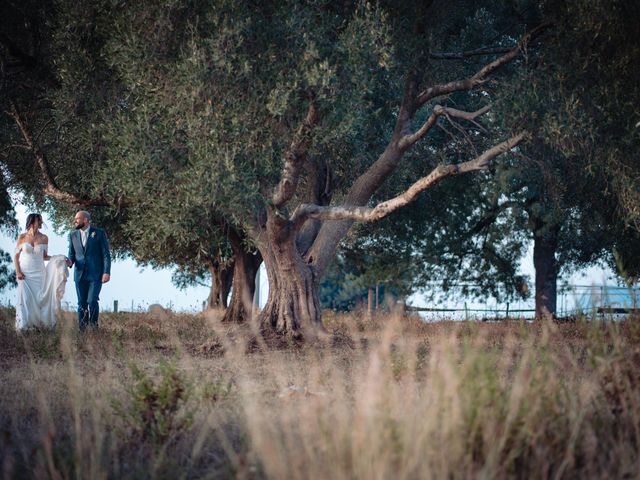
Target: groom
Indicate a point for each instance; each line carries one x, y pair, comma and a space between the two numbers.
89, 251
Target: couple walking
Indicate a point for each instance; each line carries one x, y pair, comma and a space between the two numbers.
41, 288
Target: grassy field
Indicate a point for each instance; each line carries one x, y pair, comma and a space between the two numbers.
185, 397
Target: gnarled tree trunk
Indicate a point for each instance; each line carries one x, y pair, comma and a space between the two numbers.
293, 307
221, 279
545, 244
245, 268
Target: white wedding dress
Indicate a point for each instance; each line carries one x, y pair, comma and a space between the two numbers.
40, 293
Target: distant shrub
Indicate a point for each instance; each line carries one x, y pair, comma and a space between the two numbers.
218, 390
155, 409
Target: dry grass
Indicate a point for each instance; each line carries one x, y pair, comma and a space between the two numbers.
184, 397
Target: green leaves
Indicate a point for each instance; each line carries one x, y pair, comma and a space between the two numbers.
155, 409
187, 108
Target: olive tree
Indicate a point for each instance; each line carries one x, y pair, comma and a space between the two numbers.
275, 123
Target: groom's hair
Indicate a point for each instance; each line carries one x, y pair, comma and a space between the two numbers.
31, 219
85, 214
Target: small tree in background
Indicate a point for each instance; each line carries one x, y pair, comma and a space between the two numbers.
577, 180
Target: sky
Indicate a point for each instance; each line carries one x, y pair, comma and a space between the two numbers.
136, 287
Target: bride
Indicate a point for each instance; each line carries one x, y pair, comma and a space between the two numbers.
40, 288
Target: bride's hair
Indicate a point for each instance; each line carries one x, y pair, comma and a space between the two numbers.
31, 219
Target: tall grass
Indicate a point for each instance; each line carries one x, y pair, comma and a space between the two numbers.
184, 397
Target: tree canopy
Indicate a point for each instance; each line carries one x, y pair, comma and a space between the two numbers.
572, 188
193, 128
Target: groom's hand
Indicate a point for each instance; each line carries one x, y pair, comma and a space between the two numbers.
68, 262
105, 278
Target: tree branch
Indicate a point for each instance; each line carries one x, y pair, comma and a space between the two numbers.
51, 188
380, 211
15, 145
408, 140
491, 215
295, 156
479, 78
367, 183
468, 53
319, 192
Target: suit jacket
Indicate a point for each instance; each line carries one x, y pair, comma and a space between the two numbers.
92, 261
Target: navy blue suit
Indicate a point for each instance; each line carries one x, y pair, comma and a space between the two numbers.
91, 262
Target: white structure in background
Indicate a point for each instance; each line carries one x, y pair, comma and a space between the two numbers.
262, 288
607, 301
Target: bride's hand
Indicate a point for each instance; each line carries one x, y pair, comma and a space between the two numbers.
20, 276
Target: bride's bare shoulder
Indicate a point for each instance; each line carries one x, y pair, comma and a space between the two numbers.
21, 237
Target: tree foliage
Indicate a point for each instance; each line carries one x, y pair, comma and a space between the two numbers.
574, 186
578, 179
8, 224
286, 122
